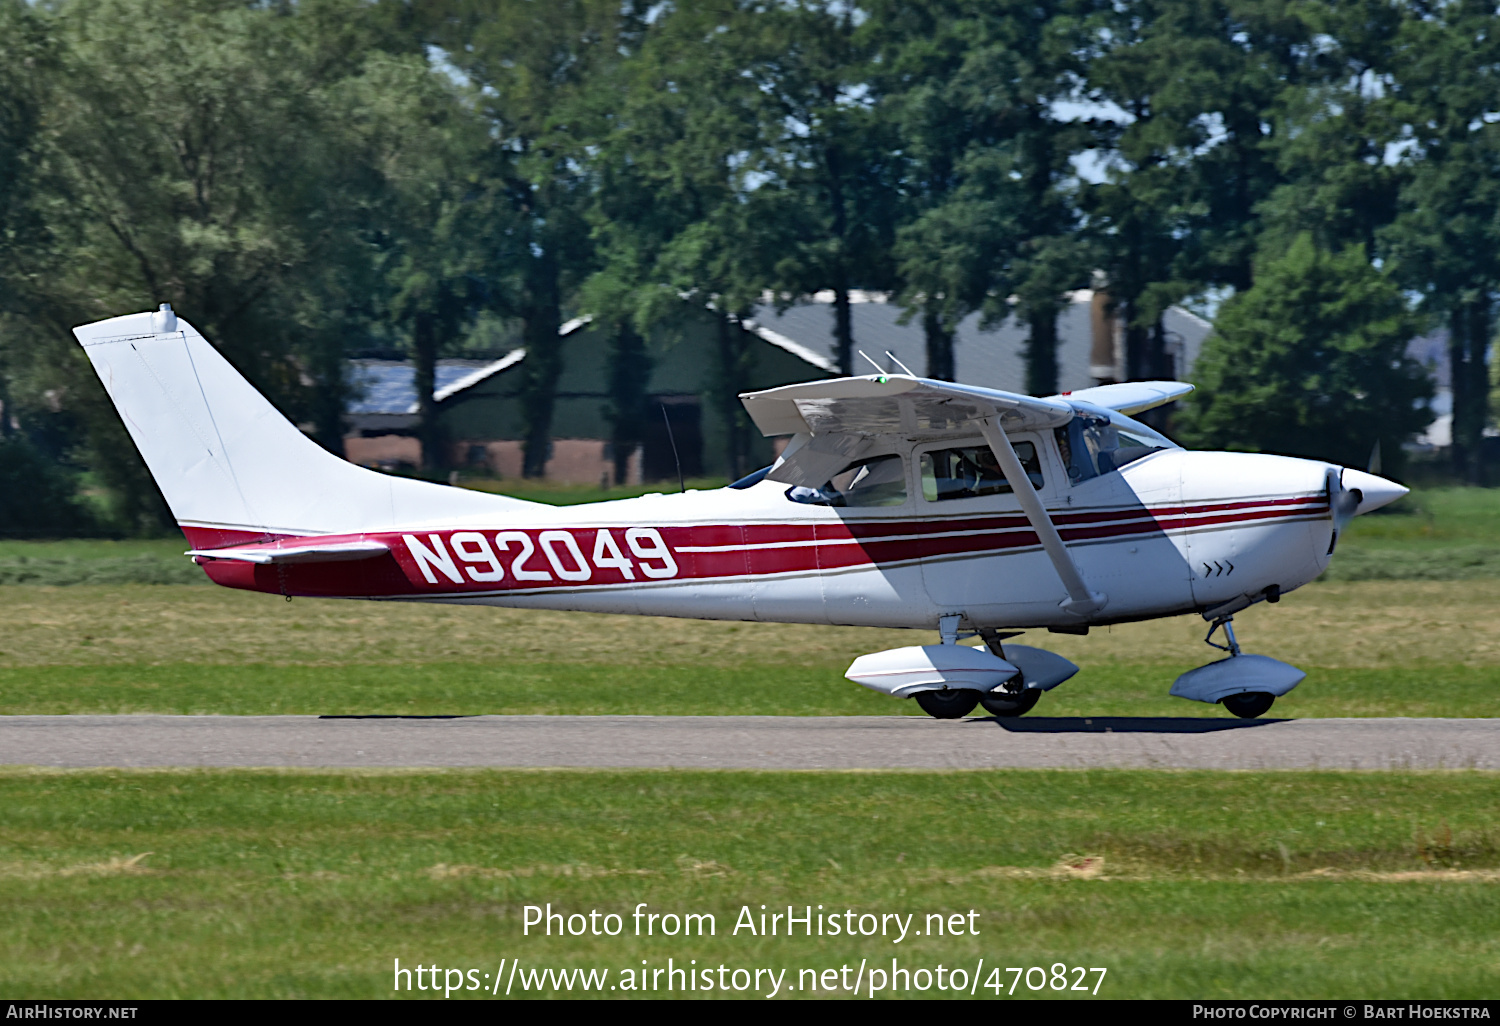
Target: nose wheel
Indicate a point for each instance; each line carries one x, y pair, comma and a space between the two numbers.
1247, 705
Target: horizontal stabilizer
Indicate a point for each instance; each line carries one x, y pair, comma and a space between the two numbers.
332, 552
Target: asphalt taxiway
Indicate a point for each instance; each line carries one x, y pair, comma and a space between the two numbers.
749, 742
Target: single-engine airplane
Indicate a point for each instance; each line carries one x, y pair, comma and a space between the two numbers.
899, 501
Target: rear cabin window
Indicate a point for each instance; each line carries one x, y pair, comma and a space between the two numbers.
973, 471
878, 481
1090, 446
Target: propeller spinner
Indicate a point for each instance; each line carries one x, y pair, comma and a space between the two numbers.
1352, 492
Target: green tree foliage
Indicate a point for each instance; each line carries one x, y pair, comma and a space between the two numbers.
434, 209
300, 177
687, 212
1445, 236
828, 165
38, 498
535, 66
971, 88
27, 59
196, 163
1311, 362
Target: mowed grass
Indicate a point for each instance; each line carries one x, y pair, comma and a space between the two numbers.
1432, 534
1371, 648
1407, 624
1182, 884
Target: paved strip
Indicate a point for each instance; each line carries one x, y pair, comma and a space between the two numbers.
749, 742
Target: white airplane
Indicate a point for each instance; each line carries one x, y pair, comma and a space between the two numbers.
898, 502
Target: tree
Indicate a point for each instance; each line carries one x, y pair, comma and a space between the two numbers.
1445, 237
38, 499
434, 210
194, 164
1311, 362
1217, 105
825, 151
970, 89
534, 66
629, 373
685, 215
27, 71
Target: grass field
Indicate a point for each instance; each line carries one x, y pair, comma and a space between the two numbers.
1371, 648
1431, 534
1182, 884
281, 884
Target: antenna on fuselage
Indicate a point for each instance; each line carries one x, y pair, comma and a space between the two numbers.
898, 363
681, 482
878, 369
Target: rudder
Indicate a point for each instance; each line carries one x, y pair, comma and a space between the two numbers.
226, 460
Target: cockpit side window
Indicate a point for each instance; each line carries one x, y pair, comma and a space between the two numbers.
877, 481
973, 471
1090, 446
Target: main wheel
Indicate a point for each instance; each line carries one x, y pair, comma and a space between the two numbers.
1001, 703
1247, 705
948, 705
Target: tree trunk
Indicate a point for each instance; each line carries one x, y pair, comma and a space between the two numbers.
543, 364
1145, 348
629, 375
732, 376
843, 326
7, 410
1041, 352
843, 321
939, 345
1468, 344
424, 345
1137, 343
328, 395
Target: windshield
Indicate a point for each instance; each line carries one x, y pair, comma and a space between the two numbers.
1092, 444
878, 481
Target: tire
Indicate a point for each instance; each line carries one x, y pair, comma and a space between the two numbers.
1002, 703
948, 705
1249, 704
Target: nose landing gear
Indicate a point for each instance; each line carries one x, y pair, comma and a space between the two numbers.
1246, 685
1247, 705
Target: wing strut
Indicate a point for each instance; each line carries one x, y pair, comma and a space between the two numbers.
1080, 600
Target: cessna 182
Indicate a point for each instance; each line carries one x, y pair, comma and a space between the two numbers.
898, 502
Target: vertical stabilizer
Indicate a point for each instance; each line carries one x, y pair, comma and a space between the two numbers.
225, 458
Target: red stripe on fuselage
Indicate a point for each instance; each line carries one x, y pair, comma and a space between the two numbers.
717, 551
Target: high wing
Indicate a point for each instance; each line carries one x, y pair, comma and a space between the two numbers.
843, 419
1131, 397
838, 421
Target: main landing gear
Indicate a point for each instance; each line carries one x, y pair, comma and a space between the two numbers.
1010, 703
952, 704
956, 703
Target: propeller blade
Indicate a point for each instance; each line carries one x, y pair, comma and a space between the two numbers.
1342, 502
